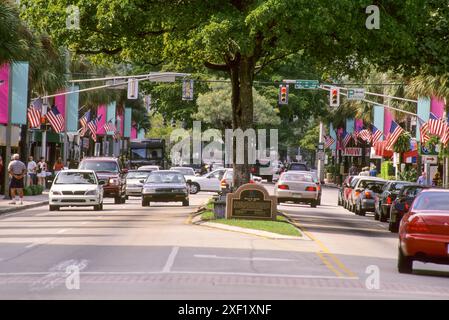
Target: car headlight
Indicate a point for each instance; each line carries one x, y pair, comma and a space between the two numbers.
91, 193
56, 193
113, 181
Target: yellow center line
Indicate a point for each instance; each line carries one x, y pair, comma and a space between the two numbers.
329, 265
325, 250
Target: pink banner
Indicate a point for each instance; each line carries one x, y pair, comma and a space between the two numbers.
358, 125
437, 107
101, 111
388, 117
4, 93
133, 132
60, 103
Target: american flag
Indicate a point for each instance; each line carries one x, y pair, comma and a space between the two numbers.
328, 141
395, 132
445, 137
346, 139
423, 131
377, 134
365, 135
92, 125
84, 121
34, 117
109, 127
355, 136
56, 119
436, 125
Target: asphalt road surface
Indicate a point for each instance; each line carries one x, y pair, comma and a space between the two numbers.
131, 252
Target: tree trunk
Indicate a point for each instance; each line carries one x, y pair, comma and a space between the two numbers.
242, 76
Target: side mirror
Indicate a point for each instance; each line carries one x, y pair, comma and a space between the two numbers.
102, 183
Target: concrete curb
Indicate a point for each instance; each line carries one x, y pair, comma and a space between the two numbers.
23, 207
196, 220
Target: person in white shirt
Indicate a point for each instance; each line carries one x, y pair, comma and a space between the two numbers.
32, 171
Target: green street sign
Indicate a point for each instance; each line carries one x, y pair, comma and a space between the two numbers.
307, 84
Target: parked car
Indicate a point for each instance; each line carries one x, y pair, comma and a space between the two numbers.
208, 182
365, 192
76, 188
385, 199
148, 168
109, 171
134, 182
297, 187
165, 186
357, 188
297, 166
187, 172
402, 204
227, 182
348, 191
424, 230
341, 191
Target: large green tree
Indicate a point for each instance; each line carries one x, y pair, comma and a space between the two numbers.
241, 37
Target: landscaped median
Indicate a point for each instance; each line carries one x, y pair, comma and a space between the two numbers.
280, 228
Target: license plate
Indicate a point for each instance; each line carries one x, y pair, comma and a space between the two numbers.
297, 194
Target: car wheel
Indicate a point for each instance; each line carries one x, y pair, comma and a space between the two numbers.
313, 204
393, 227
127, 198
117, 200
405, 264
194, 188
53, 208
145, 202
185, 203
98, 207
376, 214
319, 201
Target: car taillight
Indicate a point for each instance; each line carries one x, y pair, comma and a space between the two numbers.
406, 207
283, 187
223, 183
311, 189
417, 225
357, 193
251, 181
389, 200
368, 195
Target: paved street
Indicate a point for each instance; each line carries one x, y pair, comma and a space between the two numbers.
128, 251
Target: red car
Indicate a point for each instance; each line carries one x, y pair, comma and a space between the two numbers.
424, 230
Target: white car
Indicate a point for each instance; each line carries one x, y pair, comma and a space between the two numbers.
187, 172
76, 188
228, 179
149, 168
208, 182
298, 187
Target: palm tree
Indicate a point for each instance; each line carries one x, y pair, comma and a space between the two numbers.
10, 25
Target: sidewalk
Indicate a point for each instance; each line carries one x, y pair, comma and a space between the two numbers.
28, 202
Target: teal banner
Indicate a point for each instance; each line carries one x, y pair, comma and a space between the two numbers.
423, 112
350, 125
111, 115
19, 98
71, 109
379, 114
127, 123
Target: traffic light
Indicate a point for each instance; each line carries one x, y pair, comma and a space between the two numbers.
334, 100
283, 94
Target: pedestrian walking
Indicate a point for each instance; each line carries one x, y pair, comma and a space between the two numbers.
42, 169
32, 171
422, 178
353, 171
17, 171
58, 166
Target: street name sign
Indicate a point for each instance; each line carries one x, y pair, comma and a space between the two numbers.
251, 201
307, 84
356, 94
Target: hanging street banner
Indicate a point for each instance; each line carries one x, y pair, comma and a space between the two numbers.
187, 90
356, 94
19, 92
307, 84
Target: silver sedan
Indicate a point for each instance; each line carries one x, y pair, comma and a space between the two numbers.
297, 187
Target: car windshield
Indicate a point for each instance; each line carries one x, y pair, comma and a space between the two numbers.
76, 178
100, 166
397, 186
432, 201
298, 178
165, 177
298, 167
184, 171
137, 175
